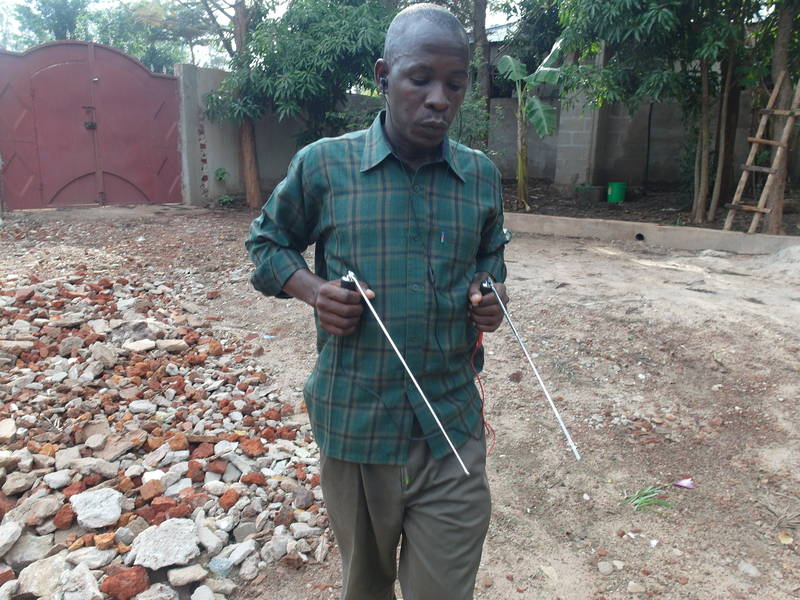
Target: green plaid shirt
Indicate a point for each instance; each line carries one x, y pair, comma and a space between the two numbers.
417, 239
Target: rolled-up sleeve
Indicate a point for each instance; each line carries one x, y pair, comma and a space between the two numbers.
490, 257
282, 232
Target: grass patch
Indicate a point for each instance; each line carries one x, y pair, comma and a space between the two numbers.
646, 498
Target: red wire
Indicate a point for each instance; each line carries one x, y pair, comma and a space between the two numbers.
489, 429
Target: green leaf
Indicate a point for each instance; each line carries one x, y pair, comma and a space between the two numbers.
542, 116
544, 75
511, 68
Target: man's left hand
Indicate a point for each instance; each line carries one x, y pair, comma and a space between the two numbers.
485, 311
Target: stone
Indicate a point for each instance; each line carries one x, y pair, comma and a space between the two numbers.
242, 551
221, 566
186, 575
229, 498
97, 508
172, 346
17, 482
303, 498
174, 542
64, 518
142, 407
249, 569
203, 592
58, 479
127, 583
304, 530
9, 534
8, 430
605, 568
748, 569
276, 548
92, 556
96, 441
215, 488
158, 591
64, 458
139, 346
79, 584
151, 489
105, 354
28, 549
242, 530
9, 589
8, 460
41, 577
210, 540
223, 586
636, 588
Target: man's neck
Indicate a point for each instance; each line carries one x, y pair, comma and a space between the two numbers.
413, 157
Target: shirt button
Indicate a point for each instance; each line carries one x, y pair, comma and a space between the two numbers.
415, 287
417, 188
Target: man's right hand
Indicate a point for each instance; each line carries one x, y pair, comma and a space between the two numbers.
339, 309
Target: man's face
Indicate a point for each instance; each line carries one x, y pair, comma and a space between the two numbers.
426, 84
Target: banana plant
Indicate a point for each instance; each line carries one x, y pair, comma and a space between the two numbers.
530, 108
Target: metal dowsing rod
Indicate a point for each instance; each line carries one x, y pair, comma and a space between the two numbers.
351, 278
488, 284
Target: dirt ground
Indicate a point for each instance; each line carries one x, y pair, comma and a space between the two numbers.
664, 206
665, 365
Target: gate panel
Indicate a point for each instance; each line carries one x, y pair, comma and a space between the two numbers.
63, 106
83, 123
20, 171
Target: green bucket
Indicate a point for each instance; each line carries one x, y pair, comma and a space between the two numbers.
616, 191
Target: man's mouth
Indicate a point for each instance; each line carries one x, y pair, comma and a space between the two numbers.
435, 125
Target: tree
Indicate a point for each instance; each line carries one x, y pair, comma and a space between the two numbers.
787, 11
45, 20
138, 31
530, 108
304, 63
661, 52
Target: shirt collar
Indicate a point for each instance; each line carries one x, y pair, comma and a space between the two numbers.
377, 148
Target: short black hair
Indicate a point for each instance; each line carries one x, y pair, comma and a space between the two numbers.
433, 13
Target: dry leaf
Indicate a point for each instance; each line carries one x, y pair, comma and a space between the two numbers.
785, 538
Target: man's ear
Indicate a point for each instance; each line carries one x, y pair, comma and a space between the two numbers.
381, 73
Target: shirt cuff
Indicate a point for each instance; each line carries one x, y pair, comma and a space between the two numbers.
493, 265
271, 276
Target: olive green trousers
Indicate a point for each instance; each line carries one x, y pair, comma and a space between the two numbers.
436, 514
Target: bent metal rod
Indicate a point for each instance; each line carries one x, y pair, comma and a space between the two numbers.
488, 285
351, 280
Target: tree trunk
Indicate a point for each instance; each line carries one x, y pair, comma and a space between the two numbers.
701, 195
482, 44
722, 139
522, 157
247, 136
780, 62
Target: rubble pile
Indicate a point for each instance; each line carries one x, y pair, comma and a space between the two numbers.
140, 456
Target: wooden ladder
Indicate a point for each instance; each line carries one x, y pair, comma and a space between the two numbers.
778, 162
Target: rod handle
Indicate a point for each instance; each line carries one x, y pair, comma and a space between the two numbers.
486, 286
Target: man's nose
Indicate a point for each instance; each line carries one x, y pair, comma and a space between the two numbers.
437, 98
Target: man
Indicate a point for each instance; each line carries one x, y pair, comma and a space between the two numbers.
419, 219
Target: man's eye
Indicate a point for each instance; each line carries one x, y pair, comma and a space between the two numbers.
418, 81
456, 87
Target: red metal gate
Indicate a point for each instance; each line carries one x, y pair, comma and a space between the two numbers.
82, 123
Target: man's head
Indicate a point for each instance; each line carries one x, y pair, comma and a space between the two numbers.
424, 74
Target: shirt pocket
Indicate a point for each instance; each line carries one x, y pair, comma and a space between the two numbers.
453, 257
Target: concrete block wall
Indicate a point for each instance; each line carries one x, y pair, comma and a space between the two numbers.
589, 147
207, 146
503, 143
